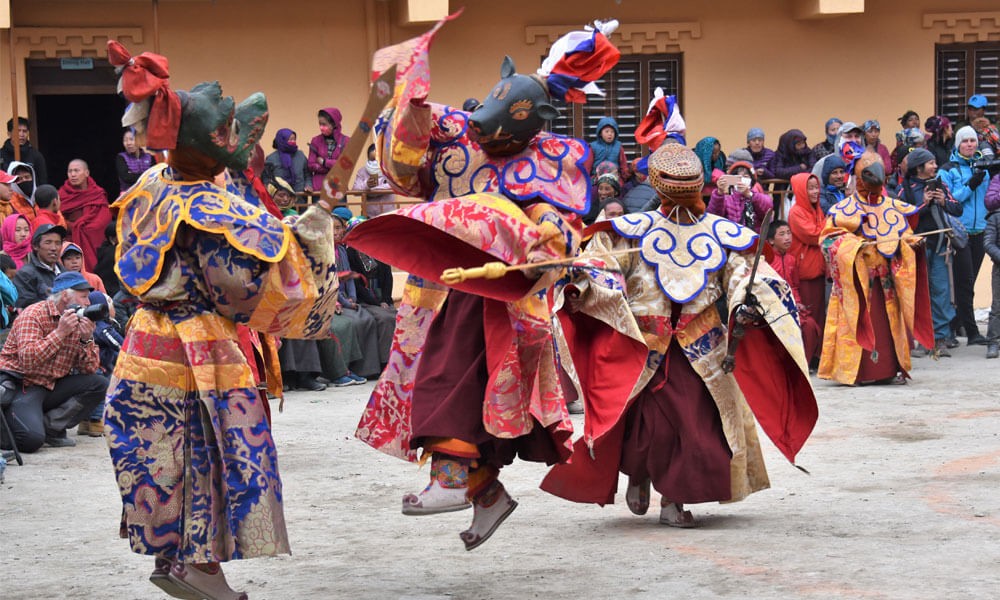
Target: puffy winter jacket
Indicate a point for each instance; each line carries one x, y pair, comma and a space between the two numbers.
957, 175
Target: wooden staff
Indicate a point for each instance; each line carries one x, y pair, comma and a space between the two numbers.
13, 87
496, 270
337, 180
901, 238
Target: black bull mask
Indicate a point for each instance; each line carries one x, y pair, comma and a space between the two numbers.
512, 114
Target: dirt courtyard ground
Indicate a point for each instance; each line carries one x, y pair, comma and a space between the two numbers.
901, 502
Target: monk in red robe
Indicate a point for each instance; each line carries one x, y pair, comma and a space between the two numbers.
85, 206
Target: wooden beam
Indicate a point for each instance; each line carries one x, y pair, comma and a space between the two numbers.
417, 12
824, 9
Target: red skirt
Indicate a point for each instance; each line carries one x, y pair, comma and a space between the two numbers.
673, 436
882, 363
813, 293
450, 388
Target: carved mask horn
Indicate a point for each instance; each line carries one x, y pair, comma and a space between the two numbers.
507, 67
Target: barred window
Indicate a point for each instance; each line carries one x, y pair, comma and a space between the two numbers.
963, 70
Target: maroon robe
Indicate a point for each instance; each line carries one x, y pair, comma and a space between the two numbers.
87, 214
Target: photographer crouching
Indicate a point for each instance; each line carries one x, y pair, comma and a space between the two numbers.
49, 363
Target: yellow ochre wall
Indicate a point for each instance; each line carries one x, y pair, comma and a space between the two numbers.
745, 64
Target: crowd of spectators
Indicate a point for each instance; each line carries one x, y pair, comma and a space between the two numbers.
60, 295
949, 170
59, 246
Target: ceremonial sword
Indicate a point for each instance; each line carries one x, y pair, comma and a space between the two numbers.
749, 300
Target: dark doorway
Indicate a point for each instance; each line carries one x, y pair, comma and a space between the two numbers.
75, 113
81, 126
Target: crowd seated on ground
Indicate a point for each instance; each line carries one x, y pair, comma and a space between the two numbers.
59, 244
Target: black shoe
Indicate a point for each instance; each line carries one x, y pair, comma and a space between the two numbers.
59, 441
978, 340
309, 384
323, 380
951, 343
920, 351
993, 350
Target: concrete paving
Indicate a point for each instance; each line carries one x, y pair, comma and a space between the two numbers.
901, 502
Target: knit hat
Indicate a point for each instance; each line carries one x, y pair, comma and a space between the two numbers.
871, 123
735, 156
740, 163
918, 157
755, 133
355, 221
343, 213
913, 136
965, 133
936, 123
610, 179
98, 297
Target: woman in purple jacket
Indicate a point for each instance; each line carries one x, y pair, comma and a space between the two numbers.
325, 148
761, 154
739, 201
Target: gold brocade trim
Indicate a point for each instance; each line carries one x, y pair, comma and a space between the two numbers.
167, 223
274, 294
154, 372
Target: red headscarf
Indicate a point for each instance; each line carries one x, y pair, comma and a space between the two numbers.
15, 250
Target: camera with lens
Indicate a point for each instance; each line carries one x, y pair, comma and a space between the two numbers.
94, 312
986, 160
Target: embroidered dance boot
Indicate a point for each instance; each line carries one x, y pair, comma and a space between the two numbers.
490, 508
202, 581
674, 515
447, 490
160, 577
637, 496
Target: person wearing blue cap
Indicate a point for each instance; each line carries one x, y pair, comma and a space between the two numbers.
49, 362
975, 108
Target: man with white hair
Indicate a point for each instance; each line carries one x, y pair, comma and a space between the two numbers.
49, 362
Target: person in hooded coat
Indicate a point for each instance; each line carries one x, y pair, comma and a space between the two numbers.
806, 220
879, 300
713, 162
833, 181
23, 197
288, 162
325, 148
792, 156
607, 148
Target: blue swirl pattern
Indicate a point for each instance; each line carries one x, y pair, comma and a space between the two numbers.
683, 255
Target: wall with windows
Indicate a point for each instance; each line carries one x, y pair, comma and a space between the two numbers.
741, 64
